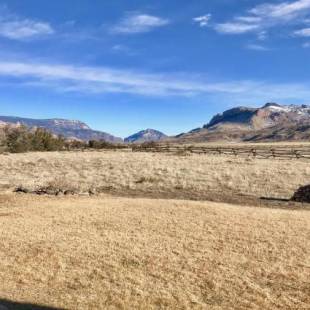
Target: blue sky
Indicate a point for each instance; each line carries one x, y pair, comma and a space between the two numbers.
122, 66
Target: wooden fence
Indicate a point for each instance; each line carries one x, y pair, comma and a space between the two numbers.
247, 151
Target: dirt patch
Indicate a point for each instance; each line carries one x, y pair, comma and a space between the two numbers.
177, 193
5, 215
223, 197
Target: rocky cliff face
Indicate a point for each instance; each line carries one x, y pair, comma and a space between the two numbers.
272, 122
271, 114
240, 116
148, 135
70, 129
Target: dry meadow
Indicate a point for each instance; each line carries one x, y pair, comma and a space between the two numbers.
120, 253
158, 173
108, 251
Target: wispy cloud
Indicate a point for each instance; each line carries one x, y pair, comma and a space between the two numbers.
262, 35
203, 20
24, 29
305, 32
92, 80
236, 27
282, 11
101, 80
139, 23
257, 47
16, 28
123, 49
265, 16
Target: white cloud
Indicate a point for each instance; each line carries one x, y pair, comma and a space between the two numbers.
248, 19
123, 49
24, 29
262, 35
283, 11
235, 28
203, 20
257, 47
266, 16
139, 23
91, 80
16, 28
306, 45
103, 80
302, 32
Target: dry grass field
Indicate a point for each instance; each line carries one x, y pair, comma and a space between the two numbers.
110, 251
120, 253
122, 172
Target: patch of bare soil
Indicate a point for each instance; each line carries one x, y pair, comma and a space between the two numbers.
227, 196
224, 197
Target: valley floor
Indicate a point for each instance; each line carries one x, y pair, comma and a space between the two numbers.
102, 249
195, 177
108, 252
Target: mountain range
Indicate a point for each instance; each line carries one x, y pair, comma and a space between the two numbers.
70, 129
77, 130
272, 122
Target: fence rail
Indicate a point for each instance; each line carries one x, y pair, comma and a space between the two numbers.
248, 151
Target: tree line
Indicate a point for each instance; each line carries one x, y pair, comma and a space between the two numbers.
23, 139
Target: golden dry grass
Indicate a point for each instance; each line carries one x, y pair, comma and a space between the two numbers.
142, 172
107, 252
113, 253
281, 144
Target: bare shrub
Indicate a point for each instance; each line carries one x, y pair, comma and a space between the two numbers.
145, 180
302, 194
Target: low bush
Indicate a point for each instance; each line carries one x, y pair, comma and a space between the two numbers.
101, 144
21, 139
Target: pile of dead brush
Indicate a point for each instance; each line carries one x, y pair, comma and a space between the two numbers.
302, 194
